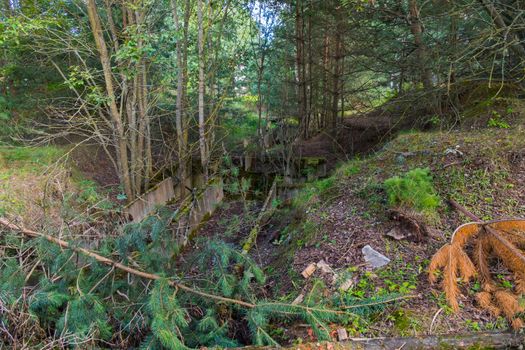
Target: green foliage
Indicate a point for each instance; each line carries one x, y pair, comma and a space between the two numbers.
414, 190
314, 190
496, 121
5, 114
240, 122
85, 316
168, 318
151, 240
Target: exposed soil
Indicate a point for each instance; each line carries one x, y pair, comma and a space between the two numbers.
94, 164
486, 174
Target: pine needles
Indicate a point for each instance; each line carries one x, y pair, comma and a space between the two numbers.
501, 239
81, 297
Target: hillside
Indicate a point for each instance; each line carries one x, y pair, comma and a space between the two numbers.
332, 219
483, 170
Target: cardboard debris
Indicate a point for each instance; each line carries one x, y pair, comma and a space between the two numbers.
342, 334
346, 285
309, 270
299, 299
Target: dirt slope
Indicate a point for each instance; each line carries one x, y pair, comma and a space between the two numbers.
484, 170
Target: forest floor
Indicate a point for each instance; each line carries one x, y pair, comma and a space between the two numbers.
331, 220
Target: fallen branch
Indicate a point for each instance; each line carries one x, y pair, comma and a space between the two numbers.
120, 266
252, 237
462, 210
499, 238
517, 253
151, 276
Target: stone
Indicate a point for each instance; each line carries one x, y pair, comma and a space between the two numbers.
373, 257
454, 151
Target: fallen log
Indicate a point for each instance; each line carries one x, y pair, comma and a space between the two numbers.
481, 340
252, 236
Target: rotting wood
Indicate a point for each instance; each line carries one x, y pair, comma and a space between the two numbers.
411, 223
252, 237
481, 340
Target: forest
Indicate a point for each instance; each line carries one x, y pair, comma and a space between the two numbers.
258, 174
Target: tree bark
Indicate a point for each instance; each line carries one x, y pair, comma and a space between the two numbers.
120, 141
202, 119
417, 31
336, 75
181, 48
300, 69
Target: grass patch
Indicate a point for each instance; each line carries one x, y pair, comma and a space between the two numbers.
20, 171
317, 189
29, 158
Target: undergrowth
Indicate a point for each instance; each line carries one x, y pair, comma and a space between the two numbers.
414, 190
73, 300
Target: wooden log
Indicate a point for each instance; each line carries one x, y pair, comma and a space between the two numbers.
480, 340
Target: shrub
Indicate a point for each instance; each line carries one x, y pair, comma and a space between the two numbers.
414, 190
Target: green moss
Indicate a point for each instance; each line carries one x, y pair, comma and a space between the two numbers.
404, 321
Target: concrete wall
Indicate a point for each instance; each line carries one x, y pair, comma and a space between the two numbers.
161, 194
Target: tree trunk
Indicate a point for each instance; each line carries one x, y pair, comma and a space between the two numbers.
181, 47
335, 79
512, 39
119, 135
475, 340
202, 119
417, 31
326, 70
300, 70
